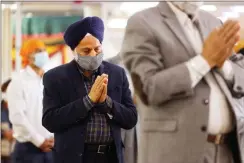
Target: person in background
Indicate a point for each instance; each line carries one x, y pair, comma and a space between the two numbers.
241, 51
24, 94
6, 127
189, 82
129, 137
86, 102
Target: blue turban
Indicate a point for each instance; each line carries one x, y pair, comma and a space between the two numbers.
78, 30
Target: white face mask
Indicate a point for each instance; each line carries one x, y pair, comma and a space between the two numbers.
189, 7
41, 59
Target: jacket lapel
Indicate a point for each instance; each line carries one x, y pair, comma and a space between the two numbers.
202, 27
174, 25
76, 79
105, 69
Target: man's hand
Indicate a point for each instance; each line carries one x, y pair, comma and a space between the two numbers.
104, 93
97, 88
47, 145
219, 45
231, 33
8, 134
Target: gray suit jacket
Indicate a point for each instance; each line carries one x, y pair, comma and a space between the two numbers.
155, 50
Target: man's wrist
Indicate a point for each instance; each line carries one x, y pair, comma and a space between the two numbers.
205, 58
109, 102
88, 103
90, 99
37, 140
200, 64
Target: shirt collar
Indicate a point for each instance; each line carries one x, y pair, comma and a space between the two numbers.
81, 70
182, 16
31, 72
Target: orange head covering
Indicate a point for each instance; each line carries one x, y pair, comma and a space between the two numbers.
28, 48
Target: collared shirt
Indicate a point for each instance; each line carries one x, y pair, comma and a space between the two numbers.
220, 116
98, 129
24, 94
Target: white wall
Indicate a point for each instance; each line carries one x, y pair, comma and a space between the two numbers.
113, 39
55, 61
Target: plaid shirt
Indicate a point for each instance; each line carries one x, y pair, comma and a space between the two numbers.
98, 129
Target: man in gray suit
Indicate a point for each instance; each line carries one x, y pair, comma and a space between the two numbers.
189, 84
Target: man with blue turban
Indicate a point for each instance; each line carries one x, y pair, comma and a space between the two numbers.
87, 101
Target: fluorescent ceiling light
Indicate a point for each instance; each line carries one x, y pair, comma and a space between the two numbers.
117, 23
29, 15
12, 7
209, 8
133, 7
237, 9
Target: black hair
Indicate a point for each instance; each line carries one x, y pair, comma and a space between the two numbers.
241, 51
5, 85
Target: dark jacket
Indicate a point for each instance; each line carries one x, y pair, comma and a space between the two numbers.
4, 118
65, 115
241, 51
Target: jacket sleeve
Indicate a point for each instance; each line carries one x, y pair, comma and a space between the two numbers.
153, 81
124, 113
57, 118
237, 88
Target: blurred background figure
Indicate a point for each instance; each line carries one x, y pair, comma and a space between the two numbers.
241, 51
239, 48
24, 94
6, 127
172, 72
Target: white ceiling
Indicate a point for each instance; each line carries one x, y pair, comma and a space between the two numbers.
224, 10
114, 8
118, 20
221, 7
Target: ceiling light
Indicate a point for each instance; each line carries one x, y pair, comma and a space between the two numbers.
209, 8
238, 8
29, 15
12, 6
117, 23
3, 6
133, 7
